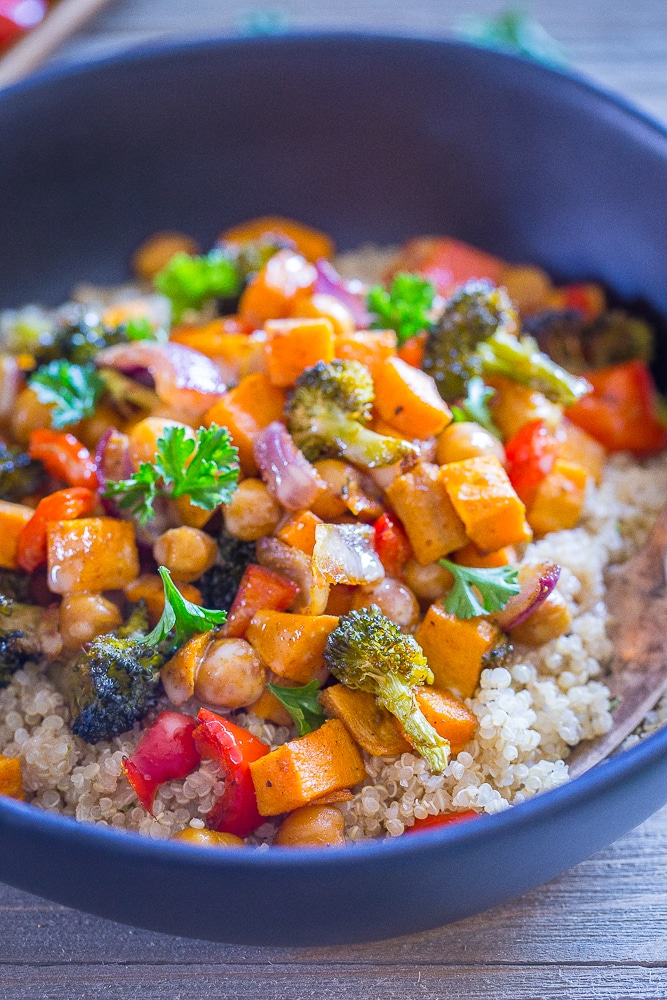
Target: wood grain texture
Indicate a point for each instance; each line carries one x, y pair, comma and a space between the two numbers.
600, 930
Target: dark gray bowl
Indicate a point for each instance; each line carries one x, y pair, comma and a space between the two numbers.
368, 138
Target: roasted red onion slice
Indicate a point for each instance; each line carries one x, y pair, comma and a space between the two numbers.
185, 380
286, 471
11, 380
344, 553
536, 582
330, 282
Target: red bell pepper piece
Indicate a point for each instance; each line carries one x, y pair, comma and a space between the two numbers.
442, 819
234, 749
391, 544
621, 411
65, 505
447, 262
260, 589
165, 751
530, 455
17, 17
64, 457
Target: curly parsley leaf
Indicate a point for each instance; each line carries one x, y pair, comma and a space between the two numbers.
139, 328
405, 307
180, 617
204, 467
75, 390
476, 406
189, 282
495, 586
303, 705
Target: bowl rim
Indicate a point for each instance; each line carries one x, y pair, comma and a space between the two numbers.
604, 777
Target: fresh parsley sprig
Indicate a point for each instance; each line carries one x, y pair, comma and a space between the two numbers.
476, 406
302, 704
204, 468
75, 390
180, 617
405, 307
189, 282
495, 586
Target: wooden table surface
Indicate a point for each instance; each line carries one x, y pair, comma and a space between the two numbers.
599, 931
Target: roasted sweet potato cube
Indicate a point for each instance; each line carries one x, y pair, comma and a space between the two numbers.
579, 447
559, 499
11, 782
299, 531
92, 553
454, 648
245, 410
293, 345
420, 499
13, 519
486, 502
306, 769
269, 707
291, 645
372, 726
449, 717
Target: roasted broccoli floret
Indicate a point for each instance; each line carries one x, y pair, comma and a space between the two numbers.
520, 359
19, 636
327, 413
219, 584
368, 651
113, 683
475, 311
577, 345
20, 475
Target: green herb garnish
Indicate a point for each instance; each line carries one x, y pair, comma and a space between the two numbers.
203, 467
181, 617
75, 390
405, 307
139, 328
302, 704
190, 282
476, 406
495, 587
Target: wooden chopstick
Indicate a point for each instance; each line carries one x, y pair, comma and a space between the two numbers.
58, 25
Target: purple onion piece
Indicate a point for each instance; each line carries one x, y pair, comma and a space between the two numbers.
330, 282
288, 474
533, 593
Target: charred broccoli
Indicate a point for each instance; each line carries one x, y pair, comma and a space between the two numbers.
578, 345
474, 312
19, 636
520, 359
19, 474
327, 413
219, 584
113, 683
368, 651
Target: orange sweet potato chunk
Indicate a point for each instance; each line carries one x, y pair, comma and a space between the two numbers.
369, 347
407, 398
291, 645
559, 498
293, 345
486, 502
11, 783
245, 410
449, 717
306, 769
299, 531
420, 499
373, 727
92, 553
13, 518
272, 291
579, 447
454, 648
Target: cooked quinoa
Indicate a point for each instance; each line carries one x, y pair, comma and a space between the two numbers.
530, 713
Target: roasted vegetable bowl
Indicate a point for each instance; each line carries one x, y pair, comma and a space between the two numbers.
306, 549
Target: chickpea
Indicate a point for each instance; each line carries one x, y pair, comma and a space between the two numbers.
144, 438
393, 598
252, 511
551, 619
427, 583
341, 479
467, 440
85, 616
92, 428
528, 287
231, 675
29, 415
186, 552
207, 838
156, 252
312, 826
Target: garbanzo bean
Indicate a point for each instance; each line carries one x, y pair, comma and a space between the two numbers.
156, 252
231, 675
312, 826
551, 619
207, 838
85, 616
427, 583
340, 479
186, 552
467, 440
252, 512
393, 598
29, 415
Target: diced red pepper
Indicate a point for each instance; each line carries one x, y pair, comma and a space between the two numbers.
64, 457
65, 505
448, 262
530, 455
442, 819
260, 590
166, 750
589, 299
391, 544
19, 16
234, 749
621, 412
